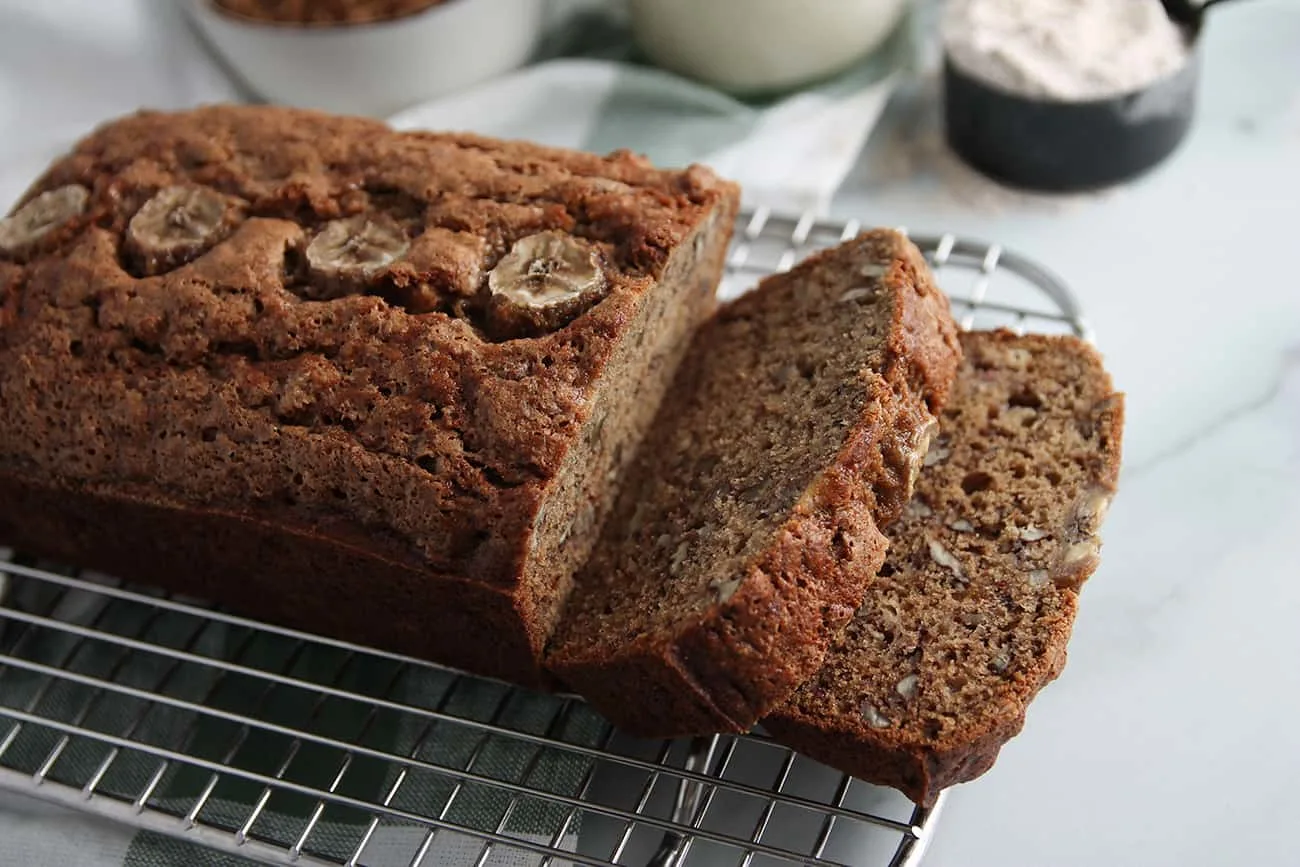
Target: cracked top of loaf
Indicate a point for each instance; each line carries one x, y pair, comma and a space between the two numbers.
242, 305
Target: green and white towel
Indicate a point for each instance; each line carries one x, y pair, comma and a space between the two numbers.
789, 154
83, 61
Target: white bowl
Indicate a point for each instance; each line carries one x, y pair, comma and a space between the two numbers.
756, 46
379, 68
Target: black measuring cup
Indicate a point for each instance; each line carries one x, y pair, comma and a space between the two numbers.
1070, 146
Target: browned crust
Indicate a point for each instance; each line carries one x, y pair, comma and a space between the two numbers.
335, 580
923, 341
906, 760
748, 654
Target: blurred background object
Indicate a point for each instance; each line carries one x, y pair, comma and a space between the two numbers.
324, 12
384, 57
761, 46
1064, 95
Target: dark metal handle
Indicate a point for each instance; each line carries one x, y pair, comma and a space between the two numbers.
1188, 13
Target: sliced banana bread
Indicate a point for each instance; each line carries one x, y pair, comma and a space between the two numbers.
749, 522
972, 610
372, 384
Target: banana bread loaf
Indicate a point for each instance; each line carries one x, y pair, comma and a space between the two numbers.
375, 385
749, 522
970, 615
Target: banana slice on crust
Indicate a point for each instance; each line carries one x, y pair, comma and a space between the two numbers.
177, 225
23, 229
546, 281
348, 254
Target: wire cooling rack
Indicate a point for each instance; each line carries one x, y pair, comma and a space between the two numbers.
204, 729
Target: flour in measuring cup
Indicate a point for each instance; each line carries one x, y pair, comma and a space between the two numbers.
1070, 50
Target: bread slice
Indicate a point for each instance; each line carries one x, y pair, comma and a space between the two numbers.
972, 610
748, 526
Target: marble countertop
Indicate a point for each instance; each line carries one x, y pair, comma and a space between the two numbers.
1169, 738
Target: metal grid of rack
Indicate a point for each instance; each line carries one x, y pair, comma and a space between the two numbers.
187, 722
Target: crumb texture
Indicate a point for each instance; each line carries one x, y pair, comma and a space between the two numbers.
283, 313
748, 526
970, 614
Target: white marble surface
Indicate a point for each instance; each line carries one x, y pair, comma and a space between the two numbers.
1170, 739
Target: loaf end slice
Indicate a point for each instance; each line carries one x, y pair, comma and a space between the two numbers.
750, 521
970, 615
